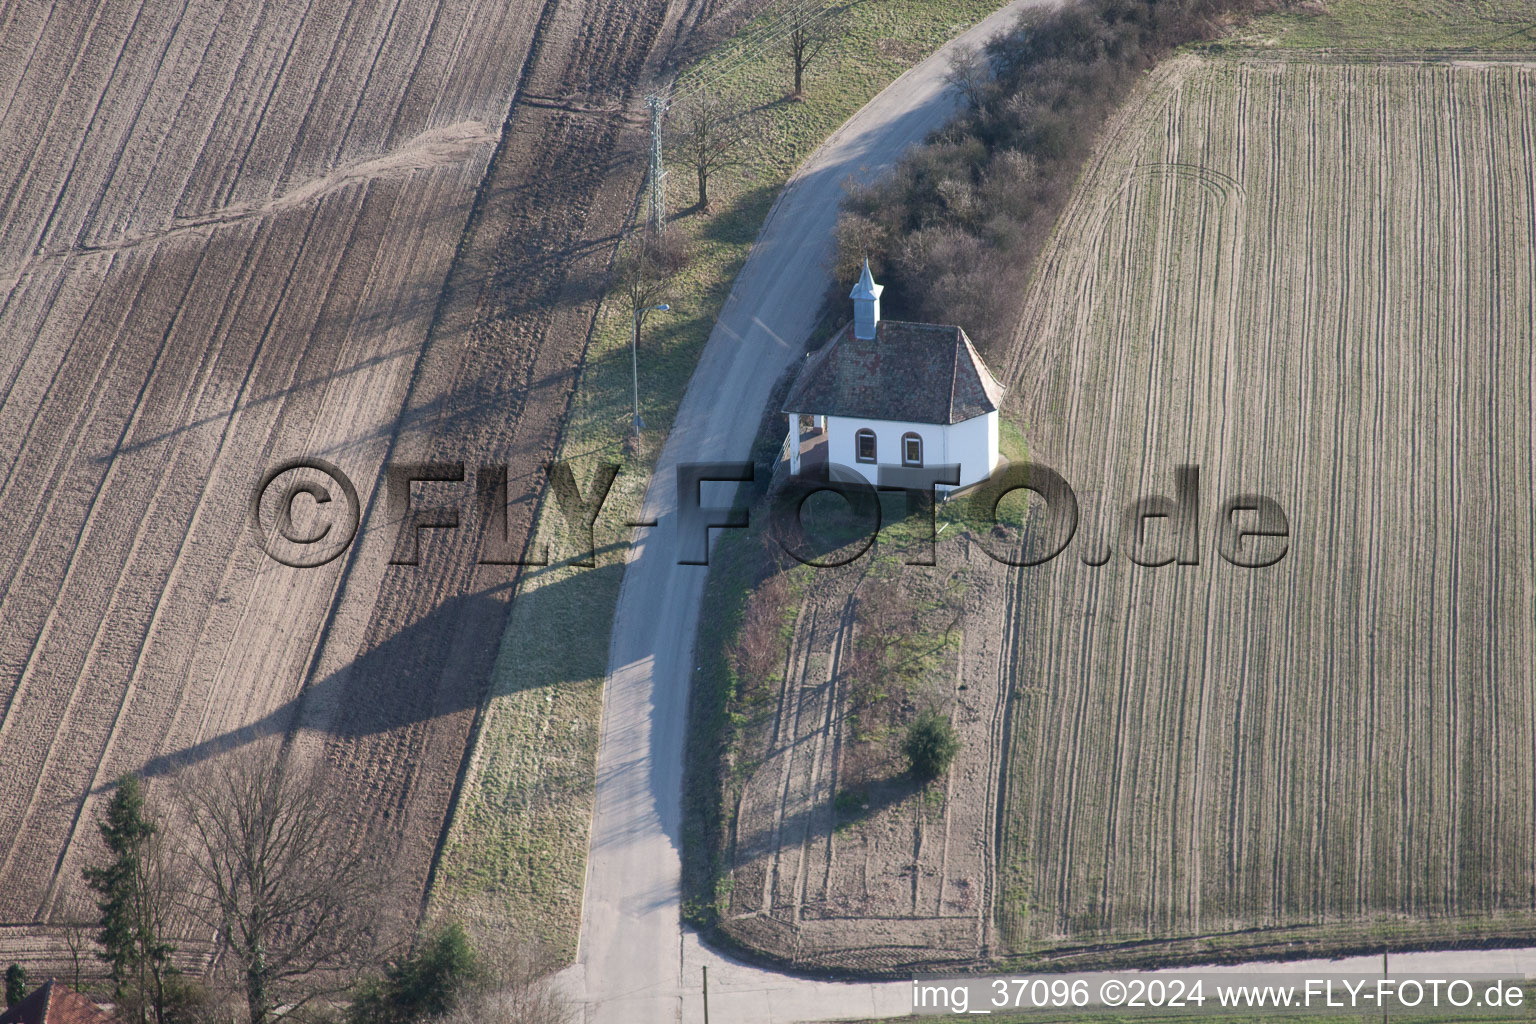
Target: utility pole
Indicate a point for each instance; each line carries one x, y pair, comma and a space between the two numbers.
658, 173
1383, 974
706, 994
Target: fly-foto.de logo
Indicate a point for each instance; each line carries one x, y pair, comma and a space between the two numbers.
1250, 530
306, 512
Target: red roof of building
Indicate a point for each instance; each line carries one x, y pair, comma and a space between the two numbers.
53, 1003
922, 373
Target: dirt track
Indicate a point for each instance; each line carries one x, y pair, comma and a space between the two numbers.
225, 233
634, 962
1312, 280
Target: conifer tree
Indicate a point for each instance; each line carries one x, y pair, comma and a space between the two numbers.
423, 986
15, 985
132, 904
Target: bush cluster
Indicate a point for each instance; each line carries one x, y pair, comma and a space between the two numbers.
931, 744
954, 231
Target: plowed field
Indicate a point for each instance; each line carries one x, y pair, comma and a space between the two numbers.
1315, 281
235, 233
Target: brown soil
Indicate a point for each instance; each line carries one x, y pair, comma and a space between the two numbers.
1313, 281
224, 242
838, 858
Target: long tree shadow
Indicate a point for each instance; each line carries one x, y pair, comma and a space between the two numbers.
401, 682
738, 221
817, 821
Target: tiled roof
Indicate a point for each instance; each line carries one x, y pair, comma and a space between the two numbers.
923, 373
53, 1003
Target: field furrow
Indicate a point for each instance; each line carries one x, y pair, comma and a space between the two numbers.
228, 227
1312, 281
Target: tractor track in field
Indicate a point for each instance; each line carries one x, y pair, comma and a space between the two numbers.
311, 228
492, 387
1313, 280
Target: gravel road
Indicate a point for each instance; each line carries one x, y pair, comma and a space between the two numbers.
634, 963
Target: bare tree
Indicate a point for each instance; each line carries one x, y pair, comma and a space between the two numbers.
647, 261
810, 31
707, 133
136, 888
163, 987
971, 73
295, 906
77, 939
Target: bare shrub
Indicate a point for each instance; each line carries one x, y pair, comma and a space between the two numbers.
518, 988
1010, 187
760, 648
954, 230
886, 616
647, 261
859, 237
971, 73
